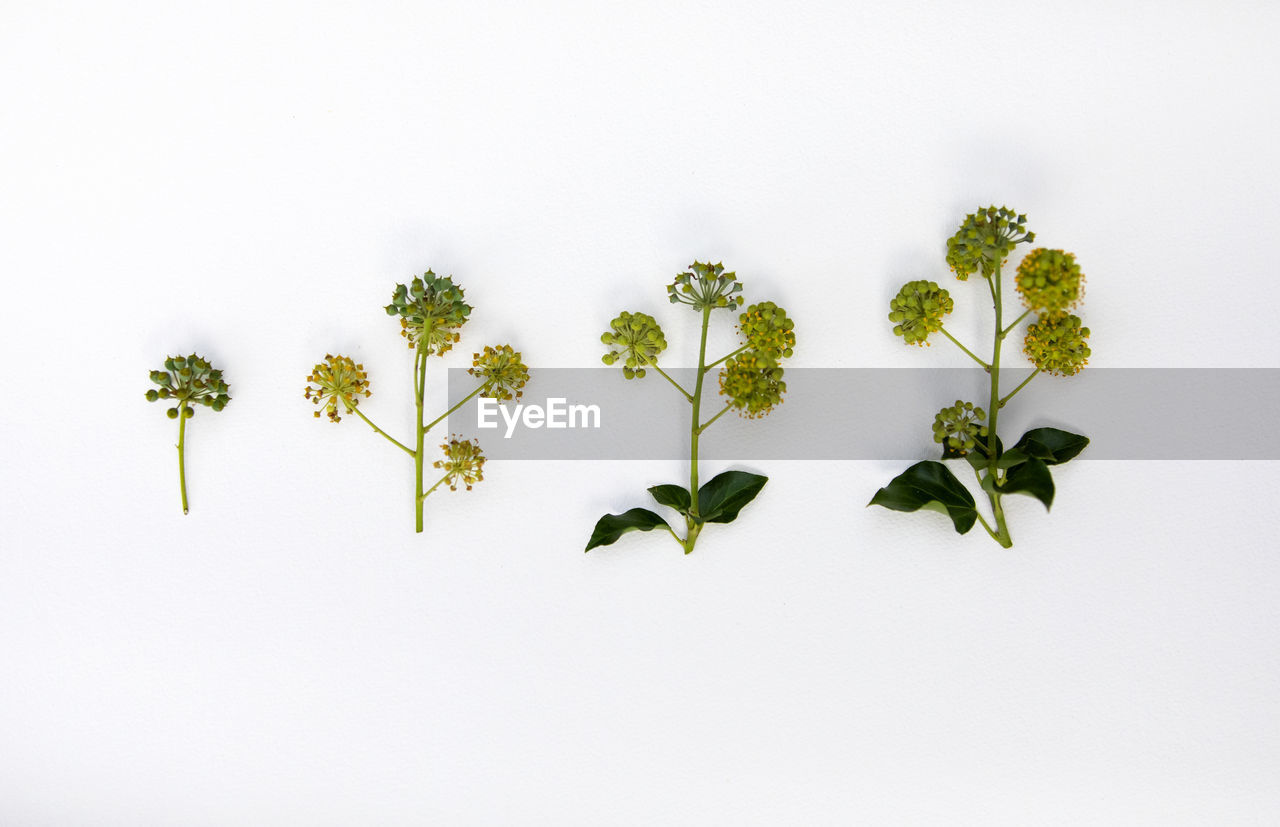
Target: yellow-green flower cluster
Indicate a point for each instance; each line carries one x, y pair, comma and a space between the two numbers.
960, 426
337, 379
753, 383
431, 311
984, 240
463, 463
706, 285
918, 309
502, 371
1049, 279
767, 329
192, 380
636, 339
1056, 343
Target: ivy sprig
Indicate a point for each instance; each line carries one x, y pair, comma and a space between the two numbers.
188, 381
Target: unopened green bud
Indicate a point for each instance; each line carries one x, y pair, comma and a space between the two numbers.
918, 309
753, 383
706, 286
767, 329
637, 339
985, 240
960, 426
1056, 344
1049, 279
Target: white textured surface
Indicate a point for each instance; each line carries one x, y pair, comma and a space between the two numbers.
251, 182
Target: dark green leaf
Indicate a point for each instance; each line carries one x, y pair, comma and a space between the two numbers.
1051, 445
671, 495
612, 526
720, 500
1031, 477
930, 485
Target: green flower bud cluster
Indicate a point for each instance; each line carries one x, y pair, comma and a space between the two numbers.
635, 338
1049, 279
338, 379
431, 310
753, 382
960, 426
463, 463
767, 329
984, 240
192, 380
503, 373
707, 285
1056, 343
918, 309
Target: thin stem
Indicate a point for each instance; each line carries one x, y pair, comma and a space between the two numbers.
465, 400
726, 357
355, 410
997, 510
1016, 322
978, 513
420, 383
723, 411
693, 524
688, 396
433, 488
182, 455
1025, 382
972, 356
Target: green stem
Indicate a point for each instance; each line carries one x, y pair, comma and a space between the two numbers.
1025, 382
445, 415
677, 385
182, 454
997, 510
726, 357
693, 524
972, 356
707, 424
432, 488
355, 410
420, 377
1016, 322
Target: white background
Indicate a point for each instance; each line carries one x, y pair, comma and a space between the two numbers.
250, 182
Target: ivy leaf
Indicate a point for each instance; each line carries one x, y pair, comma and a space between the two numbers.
1031, 477
931, 485
612, 526
720, 500
1051, 445
671, 495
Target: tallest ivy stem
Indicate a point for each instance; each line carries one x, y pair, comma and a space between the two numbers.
1002, 529
420, 376
182, 456
693, 523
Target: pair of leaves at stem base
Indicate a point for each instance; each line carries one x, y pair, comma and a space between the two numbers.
931, 485
719, 501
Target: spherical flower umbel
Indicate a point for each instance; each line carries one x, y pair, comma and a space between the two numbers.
959, 427
503, 373
431, 310
1049, 279
984, 240
463, 463
635, 338
338, 379
753, 382
767, 329
192, 380
1056, 343
918, 309
706, 285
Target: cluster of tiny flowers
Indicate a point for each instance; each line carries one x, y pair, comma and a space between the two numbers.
189, 379
337, 379
918, 309
431, 310
960, 426
766, 329
636, 339
1056, 343
753, 383
502, 371
463, 463
984, 240
707, 285
1049, 279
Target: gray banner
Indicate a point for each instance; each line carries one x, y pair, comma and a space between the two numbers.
876, 413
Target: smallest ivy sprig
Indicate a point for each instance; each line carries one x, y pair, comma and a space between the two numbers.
188, 381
